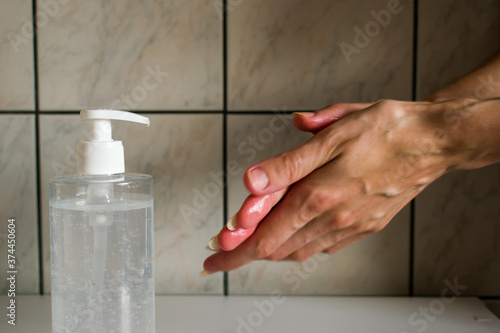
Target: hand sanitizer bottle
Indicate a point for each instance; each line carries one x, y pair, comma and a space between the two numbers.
101, 238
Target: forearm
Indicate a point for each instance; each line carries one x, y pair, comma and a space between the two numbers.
482, 83
472, 133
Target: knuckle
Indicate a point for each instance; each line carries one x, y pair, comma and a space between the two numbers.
395, 110
331, 250
320, 230
300, 256
264, 249
368, 228
358, 228
279, 254
289, 164
326, 242
276, 256
376, 227
316, 202
343, 219
386, 104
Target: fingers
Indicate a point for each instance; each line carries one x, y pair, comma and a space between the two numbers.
280, 171
314, 122
243, 224
330, 243
264, 241
297, 208
344, 243
304, 252
338, 223
228, 240
225, 261
341, 221
255, 208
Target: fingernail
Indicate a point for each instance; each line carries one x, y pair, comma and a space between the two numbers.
204, 273
231, 224
258, 179
213, 244
303, 114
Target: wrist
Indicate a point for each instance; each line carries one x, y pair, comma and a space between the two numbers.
455, 90
467, 131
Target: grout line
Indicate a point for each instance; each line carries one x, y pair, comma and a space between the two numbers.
266, 112
412, 249
225, 285
5, 112
197, 112
412, 204
415, 51
37, 146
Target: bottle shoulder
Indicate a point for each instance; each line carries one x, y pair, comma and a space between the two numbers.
96, 179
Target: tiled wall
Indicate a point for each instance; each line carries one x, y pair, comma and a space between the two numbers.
208, 84
457, 220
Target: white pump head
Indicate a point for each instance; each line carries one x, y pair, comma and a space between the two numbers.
101, 155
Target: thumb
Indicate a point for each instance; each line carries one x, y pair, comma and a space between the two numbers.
280, 171
314, 122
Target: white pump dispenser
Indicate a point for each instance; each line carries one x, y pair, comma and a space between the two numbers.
101, 237
101, 155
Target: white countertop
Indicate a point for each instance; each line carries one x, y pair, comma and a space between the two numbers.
248, 314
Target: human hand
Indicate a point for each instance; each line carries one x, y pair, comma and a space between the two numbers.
256, 207
345, 183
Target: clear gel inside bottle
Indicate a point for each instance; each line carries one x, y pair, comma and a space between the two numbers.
101, 232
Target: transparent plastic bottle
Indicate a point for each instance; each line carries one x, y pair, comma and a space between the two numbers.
101, 241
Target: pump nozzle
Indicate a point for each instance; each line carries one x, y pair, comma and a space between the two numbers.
101, 155
106, 114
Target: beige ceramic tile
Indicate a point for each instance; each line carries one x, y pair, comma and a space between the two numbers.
455, 37
152, 55
377, 265
18, 200
457, 218
457, 233
16, 56
180, 151
307, 54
